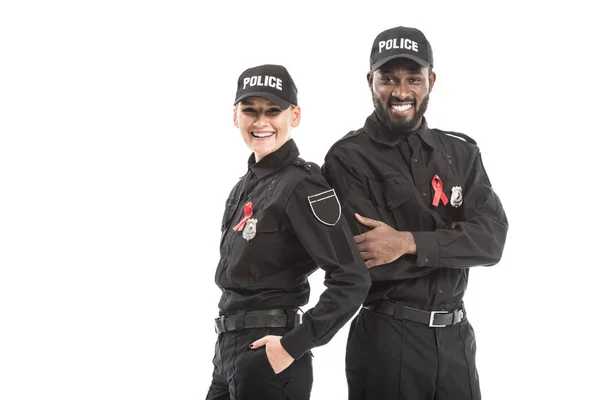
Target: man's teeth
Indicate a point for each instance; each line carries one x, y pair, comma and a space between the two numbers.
262, 134
402, 107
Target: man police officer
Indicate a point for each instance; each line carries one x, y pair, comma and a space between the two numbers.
423, 211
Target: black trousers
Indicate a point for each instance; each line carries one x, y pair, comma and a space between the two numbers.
241, 373
389, 359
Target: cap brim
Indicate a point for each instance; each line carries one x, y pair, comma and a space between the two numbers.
416, 59
278, 101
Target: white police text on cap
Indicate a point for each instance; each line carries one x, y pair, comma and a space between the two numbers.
270, 81
393, 44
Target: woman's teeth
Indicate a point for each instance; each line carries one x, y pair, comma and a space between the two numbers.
262, 134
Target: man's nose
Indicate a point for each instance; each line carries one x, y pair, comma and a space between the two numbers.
401, 91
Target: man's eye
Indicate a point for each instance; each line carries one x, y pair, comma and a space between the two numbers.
386, 79
414, 80
248, 110
273, 111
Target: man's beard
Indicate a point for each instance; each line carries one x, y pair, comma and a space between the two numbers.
403, 126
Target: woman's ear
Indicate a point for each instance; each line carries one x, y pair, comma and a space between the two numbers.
296, 116
235, 120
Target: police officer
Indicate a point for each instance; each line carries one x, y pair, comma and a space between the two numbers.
423, 211
282, 222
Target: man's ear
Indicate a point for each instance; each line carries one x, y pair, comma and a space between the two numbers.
432, 77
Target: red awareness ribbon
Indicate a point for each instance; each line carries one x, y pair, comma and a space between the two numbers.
247, 214
438, 186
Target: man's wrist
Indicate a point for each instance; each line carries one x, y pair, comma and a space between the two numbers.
405, 243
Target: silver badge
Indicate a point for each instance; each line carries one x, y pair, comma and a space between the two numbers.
250, 229
456, 199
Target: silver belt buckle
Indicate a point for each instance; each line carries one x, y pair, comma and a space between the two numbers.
432, 316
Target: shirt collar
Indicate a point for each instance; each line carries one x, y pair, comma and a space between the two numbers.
275, 161
378, 132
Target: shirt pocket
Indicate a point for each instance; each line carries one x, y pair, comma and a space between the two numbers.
450, 213
268, 222
228, 213
266, 250
391, 197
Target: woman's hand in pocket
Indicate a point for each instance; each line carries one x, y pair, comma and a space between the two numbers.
278, 357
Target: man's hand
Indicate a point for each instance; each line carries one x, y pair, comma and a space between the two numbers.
382, 244
276, 354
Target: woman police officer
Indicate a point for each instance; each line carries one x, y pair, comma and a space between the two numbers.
281, 222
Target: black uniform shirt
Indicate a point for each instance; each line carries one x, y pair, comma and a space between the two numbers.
388, 176
267, 264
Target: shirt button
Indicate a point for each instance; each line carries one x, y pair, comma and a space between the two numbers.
441, 291
415, 160
389, 203
449, 161
424, 194
426, 259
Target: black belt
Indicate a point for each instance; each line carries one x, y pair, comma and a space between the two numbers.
434, 319
279, 318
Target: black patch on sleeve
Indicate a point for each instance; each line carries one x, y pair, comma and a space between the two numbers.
326, 207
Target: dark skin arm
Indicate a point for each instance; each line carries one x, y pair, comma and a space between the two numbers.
382, 244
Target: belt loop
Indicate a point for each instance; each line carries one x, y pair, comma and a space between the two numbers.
220, 324
458, 316
240, 319
291, 317
398, 310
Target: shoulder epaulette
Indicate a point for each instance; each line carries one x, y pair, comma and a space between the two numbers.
351, 134
348, 135
460, 136
299, 162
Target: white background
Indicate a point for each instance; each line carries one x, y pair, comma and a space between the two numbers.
117, 152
